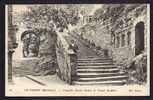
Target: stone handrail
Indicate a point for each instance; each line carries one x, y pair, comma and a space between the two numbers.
66, 59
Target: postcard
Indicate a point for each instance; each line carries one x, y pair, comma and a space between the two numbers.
77, 50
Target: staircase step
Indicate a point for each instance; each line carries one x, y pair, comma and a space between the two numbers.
96, 67
98, 70
94, 70
100, 66
100, 60
110, 78
114, 82
92, 56
88, 75
93, 64
96, 61
89, 59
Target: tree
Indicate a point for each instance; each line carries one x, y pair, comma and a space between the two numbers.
46, 18
111, 10
42, 15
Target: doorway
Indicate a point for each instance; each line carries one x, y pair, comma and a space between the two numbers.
139, 38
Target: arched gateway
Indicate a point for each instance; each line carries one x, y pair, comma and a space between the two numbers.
31, 42
139, 38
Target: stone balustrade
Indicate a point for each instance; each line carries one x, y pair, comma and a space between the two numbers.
66, 59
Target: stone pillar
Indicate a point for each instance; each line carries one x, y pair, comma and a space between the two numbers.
73, 63
11, 42
10, 53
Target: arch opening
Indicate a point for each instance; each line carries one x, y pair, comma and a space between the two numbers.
139, 38
31, 42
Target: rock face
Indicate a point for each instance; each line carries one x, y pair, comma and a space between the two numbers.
47, 53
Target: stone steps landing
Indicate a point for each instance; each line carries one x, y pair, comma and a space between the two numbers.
98, 71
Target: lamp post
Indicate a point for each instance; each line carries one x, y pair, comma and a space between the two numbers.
11, 41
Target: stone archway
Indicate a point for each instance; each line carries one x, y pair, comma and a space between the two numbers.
31, 42
139, 38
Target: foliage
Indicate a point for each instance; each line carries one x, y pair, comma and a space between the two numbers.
108, 11
114, 11
47, 16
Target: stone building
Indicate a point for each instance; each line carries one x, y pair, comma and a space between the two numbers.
130, 33
125, 38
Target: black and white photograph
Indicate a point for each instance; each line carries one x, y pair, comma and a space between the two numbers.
77, 49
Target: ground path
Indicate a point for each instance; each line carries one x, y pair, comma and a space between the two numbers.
24, 66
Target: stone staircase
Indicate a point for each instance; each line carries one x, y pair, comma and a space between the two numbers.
94, 70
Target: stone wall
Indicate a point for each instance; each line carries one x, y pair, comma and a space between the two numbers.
127, 52
47, 52
66, 63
